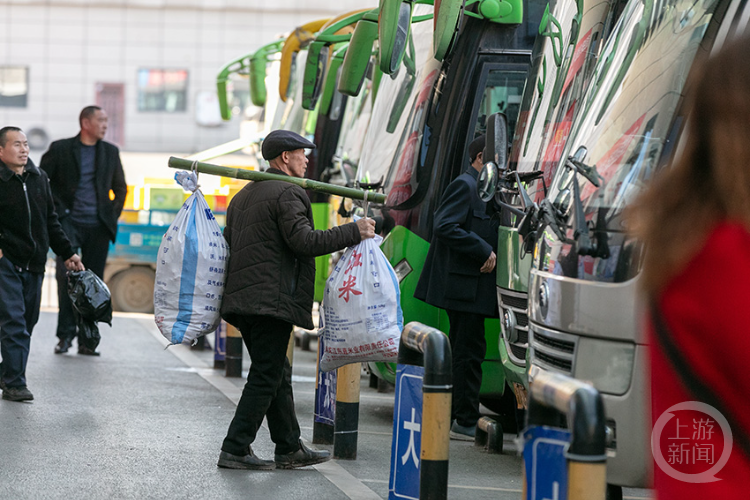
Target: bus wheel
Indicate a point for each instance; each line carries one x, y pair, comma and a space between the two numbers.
133, 290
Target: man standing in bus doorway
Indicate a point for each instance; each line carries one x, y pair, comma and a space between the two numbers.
89, 189
28, 227
458, 277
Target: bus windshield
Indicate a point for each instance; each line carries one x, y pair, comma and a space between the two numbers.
627, 122
564, 56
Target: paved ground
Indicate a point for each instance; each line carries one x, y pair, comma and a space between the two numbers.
144, 422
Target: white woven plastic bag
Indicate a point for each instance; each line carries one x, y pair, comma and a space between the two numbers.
361, 318
190, 270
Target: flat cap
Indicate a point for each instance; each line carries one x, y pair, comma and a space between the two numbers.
279, 141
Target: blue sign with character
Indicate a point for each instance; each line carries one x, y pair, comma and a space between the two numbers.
325, 393
546, 466
407, 434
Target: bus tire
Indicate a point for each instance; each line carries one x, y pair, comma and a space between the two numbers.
133, 290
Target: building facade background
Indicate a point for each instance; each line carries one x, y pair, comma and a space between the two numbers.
152, 64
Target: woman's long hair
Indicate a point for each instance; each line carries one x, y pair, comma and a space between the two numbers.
709, 181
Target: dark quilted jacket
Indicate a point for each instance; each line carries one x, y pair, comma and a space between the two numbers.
273, 245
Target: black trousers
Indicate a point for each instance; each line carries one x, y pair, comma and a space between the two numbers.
268, 391
468, 348
93, 244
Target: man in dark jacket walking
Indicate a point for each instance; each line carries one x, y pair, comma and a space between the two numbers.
28, 226
457, 277
82, 171
269, 288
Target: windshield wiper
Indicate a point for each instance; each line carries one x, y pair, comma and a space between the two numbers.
588, 171
581, 237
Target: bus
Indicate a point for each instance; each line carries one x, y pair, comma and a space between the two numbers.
585, 313
417, 141
570, 39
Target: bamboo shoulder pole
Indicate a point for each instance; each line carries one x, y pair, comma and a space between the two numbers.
251, 175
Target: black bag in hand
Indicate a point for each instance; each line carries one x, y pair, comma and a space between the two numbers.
92, 303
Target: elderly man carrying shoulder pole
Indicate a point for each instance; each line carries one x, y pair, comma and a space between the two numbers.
270, 284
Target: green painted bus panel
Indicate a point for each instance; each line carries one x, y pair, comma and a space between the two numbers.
512, 270
402, 244
493, 379
320, 219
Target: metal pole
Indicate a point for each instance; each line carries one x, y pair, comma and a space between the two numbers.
346, 422
437, 387
552, 394
233, 357
252, 175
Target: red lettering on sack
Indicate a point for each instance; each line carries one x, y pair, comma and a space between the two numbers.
354, 261
348, 288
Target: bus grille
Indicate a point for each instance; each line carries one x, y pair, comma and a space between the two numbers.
518, 352
560, 364
558, 345
553, 350
518, 303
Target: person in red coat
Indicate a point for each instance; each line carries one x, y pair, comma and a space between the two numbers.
695, 223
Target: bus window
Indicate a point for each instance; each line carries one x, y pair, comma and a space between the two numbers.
502, 93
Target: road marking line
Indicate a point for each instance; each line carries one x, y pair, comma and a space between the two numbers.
335, 473
483, 488
348, 484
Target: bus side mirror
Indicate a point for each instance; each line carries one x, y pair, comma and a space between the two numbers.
394, 25
496, 145
357, 57
487, 181
258, 81
316, 65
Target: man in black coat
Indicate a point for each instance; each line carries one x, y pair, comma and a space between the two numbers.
458, 277
82, 171
269, 288
28, 227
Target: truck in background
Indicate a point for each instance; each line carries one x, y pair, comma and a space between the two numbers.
150, 208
